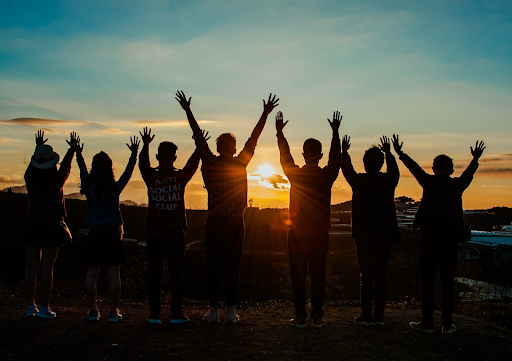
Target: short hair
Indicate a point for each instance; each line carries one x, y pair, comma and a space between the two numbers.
167, 147
312, 147
443, 163
226, 141
373, 159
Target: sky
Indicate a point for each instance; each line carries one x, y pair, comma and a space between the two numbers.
436, 72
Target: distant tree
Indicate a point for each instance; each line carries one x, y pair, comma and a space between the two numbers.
250, 202
404, 200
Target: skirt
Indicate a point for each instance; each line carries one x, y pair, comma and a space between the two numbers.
103, 247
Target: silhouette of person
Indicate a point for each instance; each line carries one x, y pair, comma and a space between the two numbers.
439, 219
225, 178
374, 225
104, 246
44, 229
165, 222
310, 218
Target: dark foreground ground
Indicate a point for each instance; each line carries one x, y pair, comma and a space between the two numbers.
263, 334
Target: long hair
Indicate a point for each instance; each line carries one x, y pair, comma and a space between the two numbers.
101, 178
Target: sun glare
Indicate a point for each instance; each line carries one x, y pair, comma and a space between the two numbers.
265, 170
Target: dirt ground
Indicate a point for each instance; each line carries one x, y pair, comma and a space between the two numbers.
262, 334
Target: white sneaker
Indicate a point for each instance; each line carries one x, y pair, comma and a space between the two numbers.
32, 311
212, 316
46, 312
231, 316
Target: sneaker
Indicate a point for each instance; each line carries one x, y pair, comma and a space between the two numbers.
378, 321
32, 311
421, 327
317, 322
179, 318
364, 320
154, 321
46, 312
231, 316
114, 316
212, 316
449, 329
94, 315
298, 322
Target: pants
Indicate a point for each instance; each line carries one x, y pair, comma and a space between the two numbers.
307, 250
437, 251
373, 260
224, 239
172, 247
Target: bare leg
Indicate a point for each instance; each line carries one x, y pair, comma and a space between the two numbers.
115, 286
33, 256
90, 286
47, 262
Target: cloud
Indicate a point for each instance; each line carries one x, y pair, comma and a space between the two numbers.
276, 181
495, 170
494, 186
40, 122
6, 140
497, 158
115, 130
16, 180
173, 123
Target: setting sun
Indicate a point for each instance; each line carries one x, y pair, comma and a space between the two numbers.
265, 170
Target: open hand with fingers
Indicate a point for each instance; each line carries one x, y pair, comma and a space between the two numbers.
336, 121
40, 137
270, 104
345, 143
204, 134
279, 122
385, 144
134, 144
146, 136
182, 99
74, 143
397, 146
479, 149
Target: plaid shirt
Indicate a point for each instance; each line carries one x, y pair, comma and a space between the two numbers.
166, 189
225, 179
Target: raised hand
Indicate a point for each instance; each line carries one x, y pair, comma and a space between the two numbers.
134, 144
205, 135
270, 104
74, 142
479, 149
345, 143
385, 145
182, 99
146, 137
279, 122
40, 137
397, 145
336, 121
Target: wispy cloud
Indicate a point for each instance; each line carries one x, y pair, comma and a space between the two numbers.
171, 123
115, 130
275, 181
40, 122
13, 180
497, 158
495, 170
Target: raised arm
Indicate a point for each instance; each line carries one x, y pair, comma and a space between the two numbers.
391, 165
65, 164
190, 168
144, 162
346, 163
413, 167
286, 158
248, 151
335, 151
467, 176
134, 147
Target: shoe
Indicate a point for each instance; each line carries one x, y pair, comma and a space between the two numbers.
179, 318
378, 321
317, 322
231, 316
298, 322
114, 316
32, 311
94, 315
154, 321
421, 327
364, 320
449, 329
46, 312
212, 316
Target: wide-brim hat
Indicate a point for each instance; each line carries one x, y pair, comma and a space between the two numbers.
44, 157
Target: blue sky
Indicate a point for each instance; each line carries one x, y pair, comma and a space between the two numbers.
436, 72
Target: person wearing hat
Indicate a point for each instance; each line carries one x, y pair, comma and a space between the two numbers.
44, 230
104, 246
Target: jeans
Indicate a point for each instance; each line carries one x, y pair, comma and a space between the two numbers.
224, 239
308, 250
173, 248
437, 251
373, 260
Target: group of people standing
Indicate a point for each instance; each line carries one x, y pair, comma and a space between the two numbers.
374, 224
